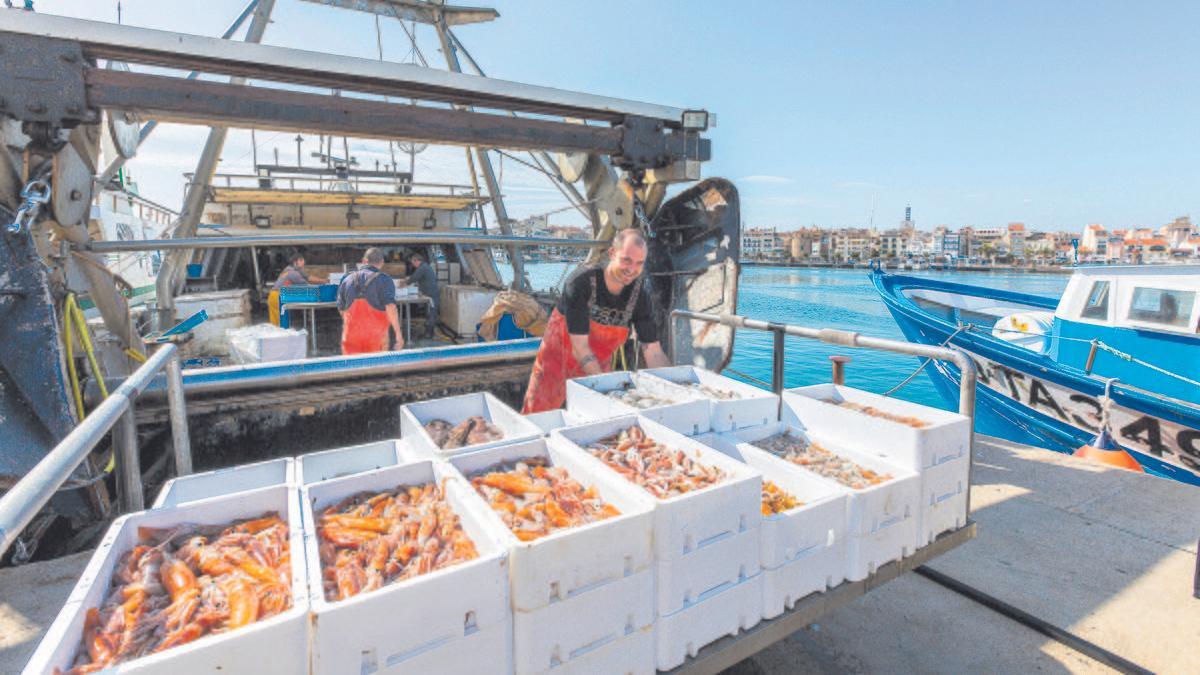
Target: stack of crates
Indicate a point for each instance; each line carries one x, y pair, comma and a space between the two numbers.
582, 597
706, 543
938, 450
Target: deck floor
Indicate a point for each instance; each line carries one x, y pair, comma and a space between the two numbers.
1106, 554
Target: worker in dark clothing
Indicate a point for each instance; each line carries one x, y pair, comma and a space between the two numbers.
425, 279
367, 301
292, 275
592, 320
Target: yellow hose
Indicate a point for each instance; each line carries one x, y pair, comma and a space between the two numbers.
73, 320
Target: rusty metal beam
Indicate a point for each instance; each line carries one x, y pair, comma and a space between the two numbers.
172, 99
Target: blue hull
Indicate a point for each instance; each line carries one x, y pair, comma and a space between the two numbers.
1027, 398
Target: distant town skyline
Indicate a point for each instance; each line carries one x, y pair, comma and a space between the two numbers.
1051, 114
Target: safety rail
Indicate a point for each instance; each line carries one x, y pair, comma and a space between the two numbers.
325, 182
21, 504
845, 338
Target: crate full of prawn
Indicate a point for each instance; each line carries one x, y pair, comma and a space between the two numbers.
460, 424
212, 585
405, 574
608, 395
881, 497
732, 404
706, 505
932, 442
580, 557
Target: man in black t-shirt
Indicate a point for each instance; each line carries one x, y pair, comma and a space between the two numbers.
592, 320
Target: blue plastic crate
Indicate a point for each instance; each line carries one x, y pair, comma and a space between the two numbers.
194, 270
320, 293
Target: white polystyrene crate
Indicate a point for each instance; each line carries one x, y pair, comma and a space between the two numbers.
819, 523
869, 509
684, 523
558, 637
684, 633
946, 513
455, 409
208, 484
867, 552
318, 466
947, 437
588, 400
575, 561
715, 565
549, 420
285, 635
631, 654
814, 571
754, 406
451, 615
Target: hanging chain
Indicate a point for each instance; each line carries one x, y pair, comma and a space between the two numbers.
34, 196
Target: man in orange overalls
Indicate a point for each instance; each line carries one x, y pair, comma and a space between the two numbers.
367, 301
592, 320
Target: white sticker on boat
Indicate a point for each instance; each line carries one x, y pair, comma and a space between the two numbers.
1170, 442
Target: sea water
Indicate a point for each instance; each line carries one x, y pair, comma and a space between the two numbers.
831, 298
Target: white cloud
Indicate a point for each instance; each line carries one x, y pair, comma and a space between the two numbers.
765, 179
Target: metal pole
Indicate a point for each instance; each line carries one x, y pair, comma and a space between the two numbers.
515, 254
197, 192
839, 368
377, 238
148, 127
777, 361
177, 406
22, 502
129, 465
257, 273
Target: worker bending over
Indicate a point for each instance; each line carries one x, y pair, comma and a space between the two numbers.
592, 320
367, 301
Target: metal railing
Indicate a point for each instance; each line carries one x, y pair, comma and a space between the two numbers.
21, 504
845, 338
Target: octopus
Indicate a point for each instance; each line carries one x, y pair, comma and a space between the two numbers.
535, 499
373, 539
819, 460
176, 586
660, 470
470, 431
776, 500
872, 411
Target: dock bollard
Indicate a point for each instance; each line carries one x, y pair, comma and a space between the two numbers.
839, 368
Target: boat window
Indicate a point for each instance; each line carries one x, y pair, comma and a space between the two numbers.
1097, 302
1160, 305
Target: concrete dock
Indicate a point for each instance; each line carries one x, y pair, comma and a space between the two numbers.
1106, 554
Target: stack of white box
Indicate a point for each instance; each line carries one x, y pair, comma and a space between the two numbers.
456, 409
706, 544
748, 406
588, 399
939, 451
452, 620
283, 637
803, 549
582, 597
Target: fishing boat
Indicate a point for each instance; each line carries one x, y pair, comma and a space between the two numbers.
1045, 363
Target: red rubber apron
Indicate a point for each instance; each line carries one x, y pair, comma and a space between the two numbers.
556, 364
364, 328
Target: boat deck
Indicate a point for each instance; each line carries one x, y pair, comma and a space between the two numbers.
1103, 553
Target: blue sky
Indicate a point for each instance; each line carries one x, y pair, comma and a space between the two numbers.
1056, 114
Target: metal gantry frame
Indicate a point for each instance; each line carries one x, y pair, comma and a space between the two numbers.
116, 413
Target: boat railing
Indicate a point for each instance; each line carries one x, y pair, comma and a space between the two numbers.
21, 504
276, 181
845, 338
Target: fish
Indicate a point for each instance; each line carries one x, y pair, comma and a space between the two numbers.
872, 411
816, 458
777, 500
470, 431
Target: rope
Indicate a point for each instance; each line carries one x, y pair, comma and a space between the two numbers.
1111, 350
748, 377
926, 362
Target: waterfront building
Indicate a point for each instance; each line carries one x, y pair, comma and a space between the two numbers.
1014, 239
762, 243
